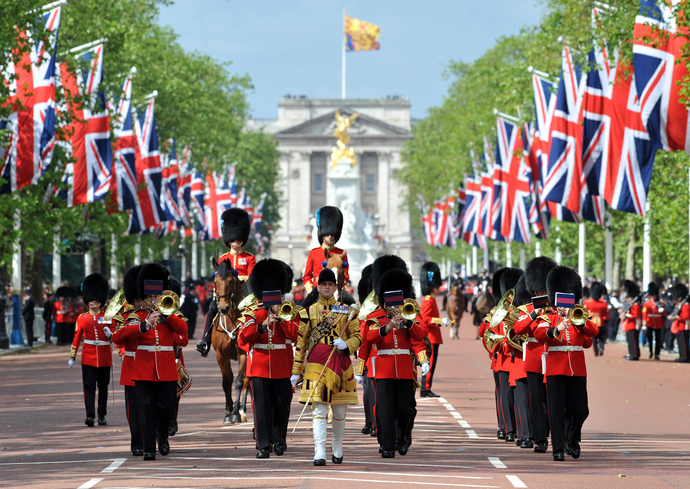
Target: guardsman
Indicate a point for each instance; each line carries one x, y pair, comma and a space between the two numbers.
328, 335
632, 319
681, 321
96, 357
653, 319
235, 224
155, 371
566, 372
430, 281
128, 350
329, 224
599, 311
179, 342
60, 312
269, 338
363, 372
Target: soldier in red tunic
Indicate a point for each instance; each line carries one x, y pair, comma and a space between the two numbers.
653, 319
235, 225
430, 281
632, 319
599, 311
681, 321
566, 372
96, 357
60, 313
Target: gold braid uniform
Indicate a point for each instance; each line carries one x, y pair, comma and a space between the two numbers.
332, 388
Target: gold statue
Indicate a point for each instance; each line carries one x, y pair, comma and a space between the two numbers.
343, 123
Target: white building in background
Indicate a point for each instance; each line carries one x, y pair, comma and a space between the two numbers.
304, 133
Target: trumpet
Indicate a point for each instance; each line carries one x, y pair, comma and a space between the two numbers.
578, 315
167, 304
409, 310
287, 311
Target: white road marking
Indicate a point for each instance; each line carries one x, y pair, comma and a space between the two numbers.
515, 480
496, 462
464, 423
90, 484
111, 468
449, 407
57, 462
456, 414
472, 434
441, 400
278, 460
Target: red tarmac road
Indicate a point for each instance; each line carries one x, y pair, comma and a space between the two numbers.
636, 434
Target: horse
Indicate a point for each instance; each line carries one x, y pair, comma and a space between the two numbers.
224, 341
485, 302
457, 304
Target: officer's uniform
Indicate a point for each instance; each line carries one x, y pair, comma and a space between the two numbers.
599, 311
653, 318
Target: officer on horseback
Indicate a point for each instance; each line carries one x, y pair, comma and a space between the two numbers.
235, 225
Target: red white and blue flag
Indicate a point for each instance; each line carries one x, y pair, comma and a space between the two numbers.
489, 209
197, 192
169, 184
28, 149
472, 219
216, 200
184, 188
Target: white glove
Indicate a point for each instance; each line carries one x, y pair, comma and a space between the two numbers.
359, 379
70, 363
340, 344
425, 368
107, 332
294, 379
445, 321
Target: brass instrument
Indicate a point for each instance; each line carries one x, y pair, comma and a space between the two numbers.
492, 340
578, 315
168, 303
507, 313
505, 310
409, 310
184, 380
287, 311
368, 306
115, 305
247, 301
515, 340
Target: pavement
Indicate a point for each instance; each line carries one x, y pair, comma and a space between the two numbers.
635, 437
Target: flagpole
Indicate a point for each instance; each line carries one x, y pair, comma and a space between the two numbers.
16, 338
581, 253
609, 254
646, 250
485, 261
113, 261
57, 271
474, 260
343, 80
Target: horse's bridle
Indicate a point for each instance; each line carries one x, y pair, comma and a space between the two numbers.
231, 294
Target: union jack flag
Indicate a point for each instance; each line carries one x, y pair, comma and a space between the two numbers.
427, 223
442, 222
489, 210
149, 172
471, 222
169, 184
30, 127
197, 192
657, 75
216, 201
258, 216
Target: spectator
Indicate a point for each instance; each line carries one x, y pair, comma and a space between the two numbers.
28, 315
48, 314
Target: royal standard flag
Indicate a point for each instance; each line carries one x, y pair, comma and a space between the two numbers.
360, 35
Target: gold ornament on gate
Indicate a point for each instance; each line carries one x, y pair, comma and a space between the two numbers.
341, 152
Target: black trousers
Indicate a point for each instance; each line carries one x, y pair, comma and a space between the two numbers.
369, 398
523, 417
538, 407
133, 417
506, 401
271, 400
428, 379
633, 338
600, 339
682, 337
614, 323
393, 410
567, 397
49, 325
92, 377
155, 402
29, 328
212, 311
501, 420
654, 339
413, 414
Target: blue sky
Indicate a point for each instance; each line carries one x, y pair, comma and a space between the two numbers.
294, 46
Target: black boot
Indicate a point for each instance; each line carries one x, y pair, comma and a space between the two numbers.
204, 345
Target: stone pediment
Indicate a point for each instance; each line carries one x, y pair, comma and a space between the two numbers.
363, 126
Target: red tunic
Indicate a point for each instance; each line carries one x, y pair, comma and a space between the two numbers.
60, 312
243, 262
271, 352
367, 352
519, 364
533, 350
652, 316
155, 355
96, 352
599, 310
633, 318
128, 348
395, 349
431, 317
565, 353
315, 265
682, 322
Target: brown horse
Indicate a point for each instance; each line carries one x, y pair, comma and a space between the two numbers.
224, 341
485, 302
457, 304
335, 263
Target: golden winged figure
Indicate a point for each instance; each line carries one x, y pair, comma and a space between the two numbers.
343, 123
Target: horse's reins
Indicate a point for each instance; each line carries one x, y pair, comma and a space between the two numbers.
223, 319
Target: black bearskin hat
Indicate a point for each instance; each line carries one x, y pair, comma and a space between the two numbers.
329, 220
129, 284
430, 277
176, 287
364, 286
680, 291
653, 289
290, 277
268, 274
522, 295
585, 293
235, 225
395, 279
536, 272
595, 291
496, 284
95, 288
381, 265
631, 288
566, 280
62, 292
509, 278
152, 271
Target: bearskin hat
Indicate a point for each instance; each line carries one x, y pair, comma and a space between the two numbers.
95, 288
268, 274
62, 291
381, 265
566, 280
235, 225
522, 295
536, 272
680, 291
152, 271
129, 284
430, 277
395, 279
509, 278
176, 287
290, 276
585, 292
631, 288
653, 289
364, 286
329, 220
595, 291
496, 284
